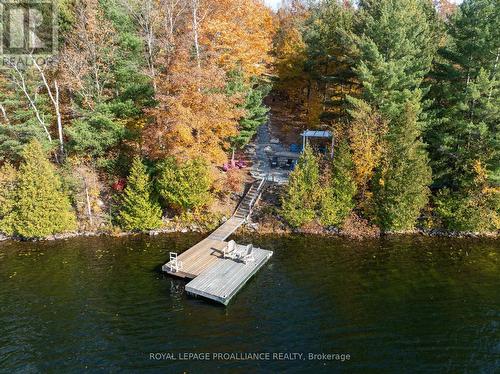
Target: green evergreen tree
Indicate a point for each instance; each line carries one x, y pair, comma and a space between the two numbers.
466, 94
255, 112
138, 212
329, 55
396, 48
300, 202
185, 187
337, 199
400, 185
473, 210
42, 208
8, 183
97, 133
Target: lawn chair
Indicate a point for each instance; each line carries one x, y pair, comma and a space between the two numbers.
247, 255
174, 264
229, 250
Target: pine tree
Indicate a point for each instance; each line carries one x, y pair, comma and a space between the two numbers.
255, 113
337, 199
329, 56
300, 202
138, 212
42, 208
466, 94
8, 182
395, 46
395, 43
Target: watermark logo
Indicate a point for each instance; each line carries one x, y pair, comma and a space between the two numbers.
28, 28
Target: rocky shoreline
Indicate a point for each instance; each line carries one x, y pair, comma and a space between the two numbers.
260, 229
333, 232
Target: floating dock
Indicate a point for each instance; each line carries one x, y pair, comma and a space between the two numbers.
214, 276
223, 280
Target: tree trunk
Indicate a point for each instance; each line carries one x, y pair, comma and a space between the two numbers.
195, 5
54, 98
4, 114
494, 74
89, 209
21, 83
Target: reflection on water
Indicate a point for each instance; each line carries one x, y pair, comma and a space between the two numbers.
395, 305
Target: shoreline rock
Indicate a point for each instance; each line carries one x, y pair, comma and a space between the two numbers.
277, 228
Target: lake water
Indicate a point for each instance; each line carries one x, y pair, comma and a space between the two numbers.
405, 305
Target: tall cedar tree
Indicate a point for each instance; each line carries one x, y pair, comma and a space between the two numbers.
395, 52
300, 202
8, 182
138, 211
337, 198
400, 184
42, 208
185, 187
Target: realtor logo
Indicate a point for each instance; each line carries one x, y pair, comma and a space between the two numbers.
28, 27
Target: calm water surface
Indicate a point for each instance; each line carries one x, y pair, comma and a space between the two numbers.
396, 306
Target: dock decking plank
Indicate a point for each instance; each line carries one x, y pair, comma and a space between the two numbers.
223, 280
214, 276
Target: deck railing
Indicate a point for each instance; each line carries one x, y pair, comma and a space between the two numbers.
258, 193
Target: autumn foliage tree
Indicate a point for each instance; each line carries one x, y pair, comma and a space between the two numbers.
291, 52
365, 132
195, 114
238, 35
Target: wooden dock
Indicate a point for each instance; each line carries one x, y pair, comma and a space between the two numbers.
214, 276
222, 281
